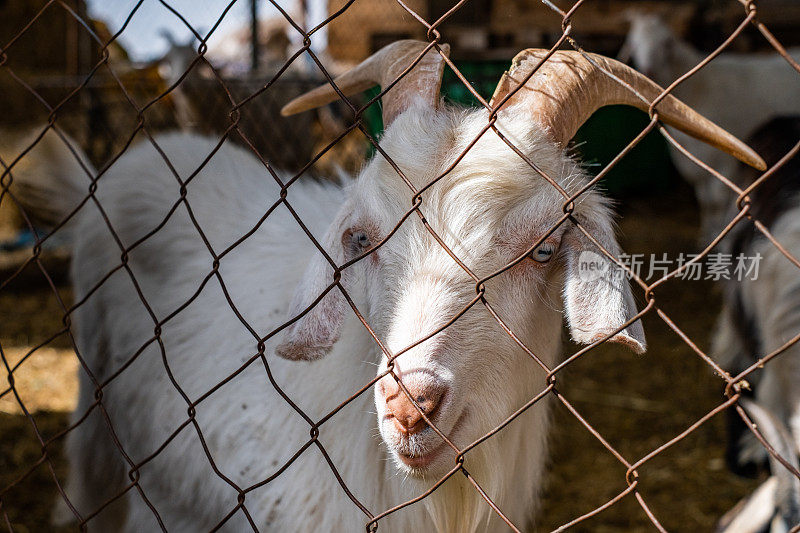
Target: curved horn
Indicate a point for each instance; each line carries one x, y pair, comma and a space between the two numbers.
382, 68
567, 89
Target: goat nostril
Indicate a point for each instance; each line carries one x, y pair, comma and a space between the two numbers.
409, 425
409, 413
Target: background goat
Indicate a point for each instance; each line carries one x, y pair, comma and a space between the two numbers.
489, 207
760, 315
737, 91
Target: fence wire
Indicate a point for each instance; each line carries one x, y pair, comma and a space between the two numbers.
137, 111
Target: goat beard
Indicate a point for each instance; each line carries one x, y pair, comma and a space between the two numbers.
456, 505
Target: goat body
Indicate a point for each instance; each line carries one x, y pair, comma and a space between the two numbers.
250, 431
761, 315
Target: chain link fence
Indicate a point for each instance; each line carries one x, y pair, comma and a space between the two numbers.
110, 113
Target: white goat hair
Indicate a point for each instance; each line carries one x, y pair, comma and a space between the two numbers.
736, 91
490, 208
250, 430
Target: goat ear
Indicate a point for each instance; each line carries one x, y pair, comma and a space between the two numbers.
597, 297
312, 336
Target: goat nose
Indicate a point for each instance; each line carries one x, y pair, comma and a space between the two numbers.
407, 418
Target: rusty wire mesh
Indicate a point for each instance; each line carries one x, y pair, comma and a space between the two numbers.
115, 135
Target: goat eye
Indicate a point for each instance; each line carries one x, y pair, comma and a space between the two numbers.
543, 253
360, 239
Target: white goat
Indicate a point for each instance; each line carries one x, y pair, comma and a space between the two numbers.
490, 208
737, 91
174, 65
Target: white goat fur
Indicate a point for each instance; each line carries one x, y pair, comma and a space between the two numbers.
737, 91
489, 209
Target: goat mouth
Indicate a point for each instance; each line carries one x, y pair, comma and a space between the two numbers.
421, 461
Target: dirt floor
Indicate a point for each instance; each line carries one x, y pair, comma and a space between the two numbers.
635, 402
